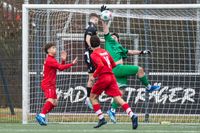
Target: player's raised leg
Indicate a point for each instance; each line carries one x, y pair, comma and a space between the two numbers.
122, 72
143, 78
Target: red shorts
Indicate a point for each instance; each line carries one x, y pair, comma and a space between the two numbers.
49, 92
107, 83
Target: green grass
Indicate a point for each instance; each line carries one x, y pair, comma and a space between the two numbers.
12, 124
6, 117
88, 128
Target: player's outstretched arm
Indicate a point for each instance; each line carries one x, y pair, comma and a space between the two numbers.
63, 57
134, 52
75, 61
61, 67
105, 24
145, 52
138, 52
105, 28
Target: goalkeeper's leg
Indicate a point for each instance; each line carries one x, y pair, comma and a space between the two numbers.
144, 80
122, 83
131, 70
112, 112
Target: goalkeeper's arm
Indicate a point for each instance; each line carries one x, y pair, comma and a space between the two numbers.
105, 24
138, 52
105, 28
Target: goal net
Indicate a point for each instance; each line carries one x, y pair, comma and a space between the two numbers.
171, 32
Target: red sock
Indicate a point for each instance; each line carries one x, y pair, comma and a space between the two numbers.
127, 109
97, 110
48, 106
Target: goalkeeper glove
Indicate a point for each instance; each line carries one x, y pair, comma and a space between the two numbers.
145, 52
103, 8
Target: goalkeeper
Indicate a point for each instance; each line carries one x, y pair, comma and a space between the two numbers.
121, 71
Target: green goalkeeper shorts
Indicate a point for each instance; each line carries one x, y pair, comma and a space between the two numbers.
122, 72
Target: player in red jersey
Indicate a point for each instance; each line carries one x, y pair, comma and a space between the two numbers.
105, 81
49, 80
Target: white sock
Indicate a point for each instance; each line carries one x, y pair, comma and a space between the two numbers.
100, 114
129, 112
149, 87
43, 115
113, 110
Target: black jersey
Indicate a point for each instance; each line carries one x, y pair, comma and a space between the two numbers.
91, 30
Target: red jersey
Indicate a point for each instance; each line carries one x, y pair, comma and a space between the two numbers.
50, 68
102, 61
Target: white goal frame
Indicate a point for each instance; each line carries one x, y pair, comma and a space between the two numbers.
25, 24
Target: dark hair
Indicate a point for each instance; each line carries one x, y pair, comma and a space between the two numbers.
115, 34
94, 41
47, 46
93, 15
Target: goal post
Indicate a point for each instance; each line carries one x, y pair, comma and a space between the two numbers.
172, 37
25, 74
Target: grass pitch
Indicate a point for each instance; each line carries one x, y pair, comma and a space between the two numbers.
88, 128
12, 124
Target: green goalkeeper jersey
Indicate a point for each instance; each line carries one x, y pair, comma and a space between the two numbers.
114, 48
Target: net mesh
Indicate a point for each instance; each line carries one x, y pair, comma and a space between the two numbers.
171, 34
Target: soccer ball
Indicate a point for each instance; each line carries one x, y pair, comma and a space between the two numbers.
106, 15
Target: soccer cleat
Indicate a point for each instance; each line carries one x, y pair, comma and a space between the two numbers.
41, 120
111, 116
101, 123
88, 103
153, 88
134, 119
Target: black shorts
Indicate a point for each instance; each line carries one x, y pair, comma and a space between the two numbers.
88, 61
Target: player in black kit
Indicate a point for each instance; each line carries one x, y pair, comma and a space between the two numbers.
90, 30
